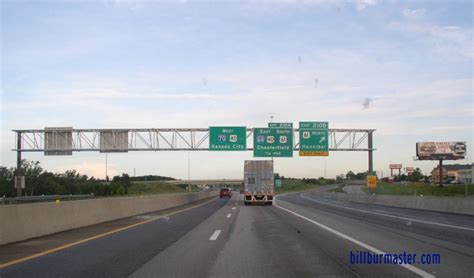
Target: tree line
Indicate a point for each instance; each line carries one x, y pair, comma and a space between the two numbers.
38, 182
416, 176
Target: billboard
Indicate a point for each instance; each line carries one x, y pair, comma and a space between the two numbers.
395, 166
440, 150
58, 141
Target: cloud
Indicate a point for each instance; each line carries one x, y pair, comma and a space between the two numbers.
118, 94
362, 4
96, 170
445, 40
440, 129
413, 13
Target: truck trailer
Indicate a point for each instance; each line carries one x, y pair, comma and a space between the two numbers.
259, 185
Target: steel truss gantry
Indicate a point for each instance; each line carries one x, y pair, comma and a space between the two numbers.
168, 139
178, 139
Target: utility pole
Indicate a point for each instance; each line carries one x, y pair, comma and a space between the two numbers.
324, 167
18, 166
440, 173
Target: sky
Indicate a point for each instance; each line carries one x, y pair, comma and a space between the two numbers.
404, 68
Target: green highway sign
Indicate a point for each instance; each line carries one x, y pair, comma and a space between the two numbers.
278, 183
227, 138
314, 139
273, 142
281, 125
314, 125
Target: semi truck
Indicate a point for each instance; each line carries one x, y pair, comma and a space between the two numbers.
259, 187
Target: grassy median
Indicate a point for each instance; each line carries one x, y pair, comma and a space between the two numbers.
294, 185
421, 189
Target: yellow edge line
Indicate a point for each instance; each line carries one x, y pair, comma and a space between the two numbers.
17, 261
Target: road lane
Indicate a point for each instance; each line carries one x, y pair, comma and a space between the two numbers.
195, 254
118, 254
456, 246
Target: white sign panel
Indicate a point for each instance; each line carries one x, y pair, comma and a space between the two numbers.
114, 141
58, 141
20, 180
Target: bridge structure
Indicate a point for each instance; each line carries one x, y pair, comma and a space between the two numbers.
66, 140
207, 182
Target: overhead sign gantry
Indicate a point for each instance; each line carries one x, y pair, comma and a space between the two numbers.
276, 140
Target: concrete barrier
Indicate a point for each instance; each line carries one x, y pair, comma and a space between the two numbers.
460, 205
24, 221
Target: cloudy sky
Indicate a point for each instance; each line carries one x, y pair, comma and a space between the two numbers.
403, 68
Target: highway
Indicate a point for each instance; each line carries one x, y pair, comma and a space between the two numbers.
302, 235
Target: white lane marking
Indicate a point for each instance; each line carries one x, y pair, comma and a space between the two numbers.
416, 270
215, 235
234, 208
229, 215
389, 215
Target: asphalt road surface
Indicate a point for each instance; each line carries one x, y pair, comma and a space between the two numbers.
300, 236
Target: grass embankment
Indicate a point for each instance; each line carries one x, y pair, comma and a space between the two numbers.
155, 187
292, 185
421, 189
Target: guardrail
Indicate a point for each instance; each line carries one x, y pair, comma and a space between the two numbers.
43, 198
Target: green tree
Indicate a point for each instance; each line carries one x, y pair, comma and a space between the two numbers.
126, 182
417, 175
7, 186
32, 170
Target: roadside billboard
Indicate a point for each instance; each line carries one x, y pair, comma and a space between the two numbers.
395, 166
440, 150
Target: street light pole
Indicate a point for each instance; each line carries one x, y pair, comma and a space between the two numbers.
189, 170
106, 174
18, 166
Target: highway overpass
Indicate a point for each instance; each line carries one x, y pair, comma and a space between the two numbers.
208, 182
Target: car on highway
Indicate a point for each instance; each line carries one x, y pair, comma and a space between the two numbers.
225, 192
